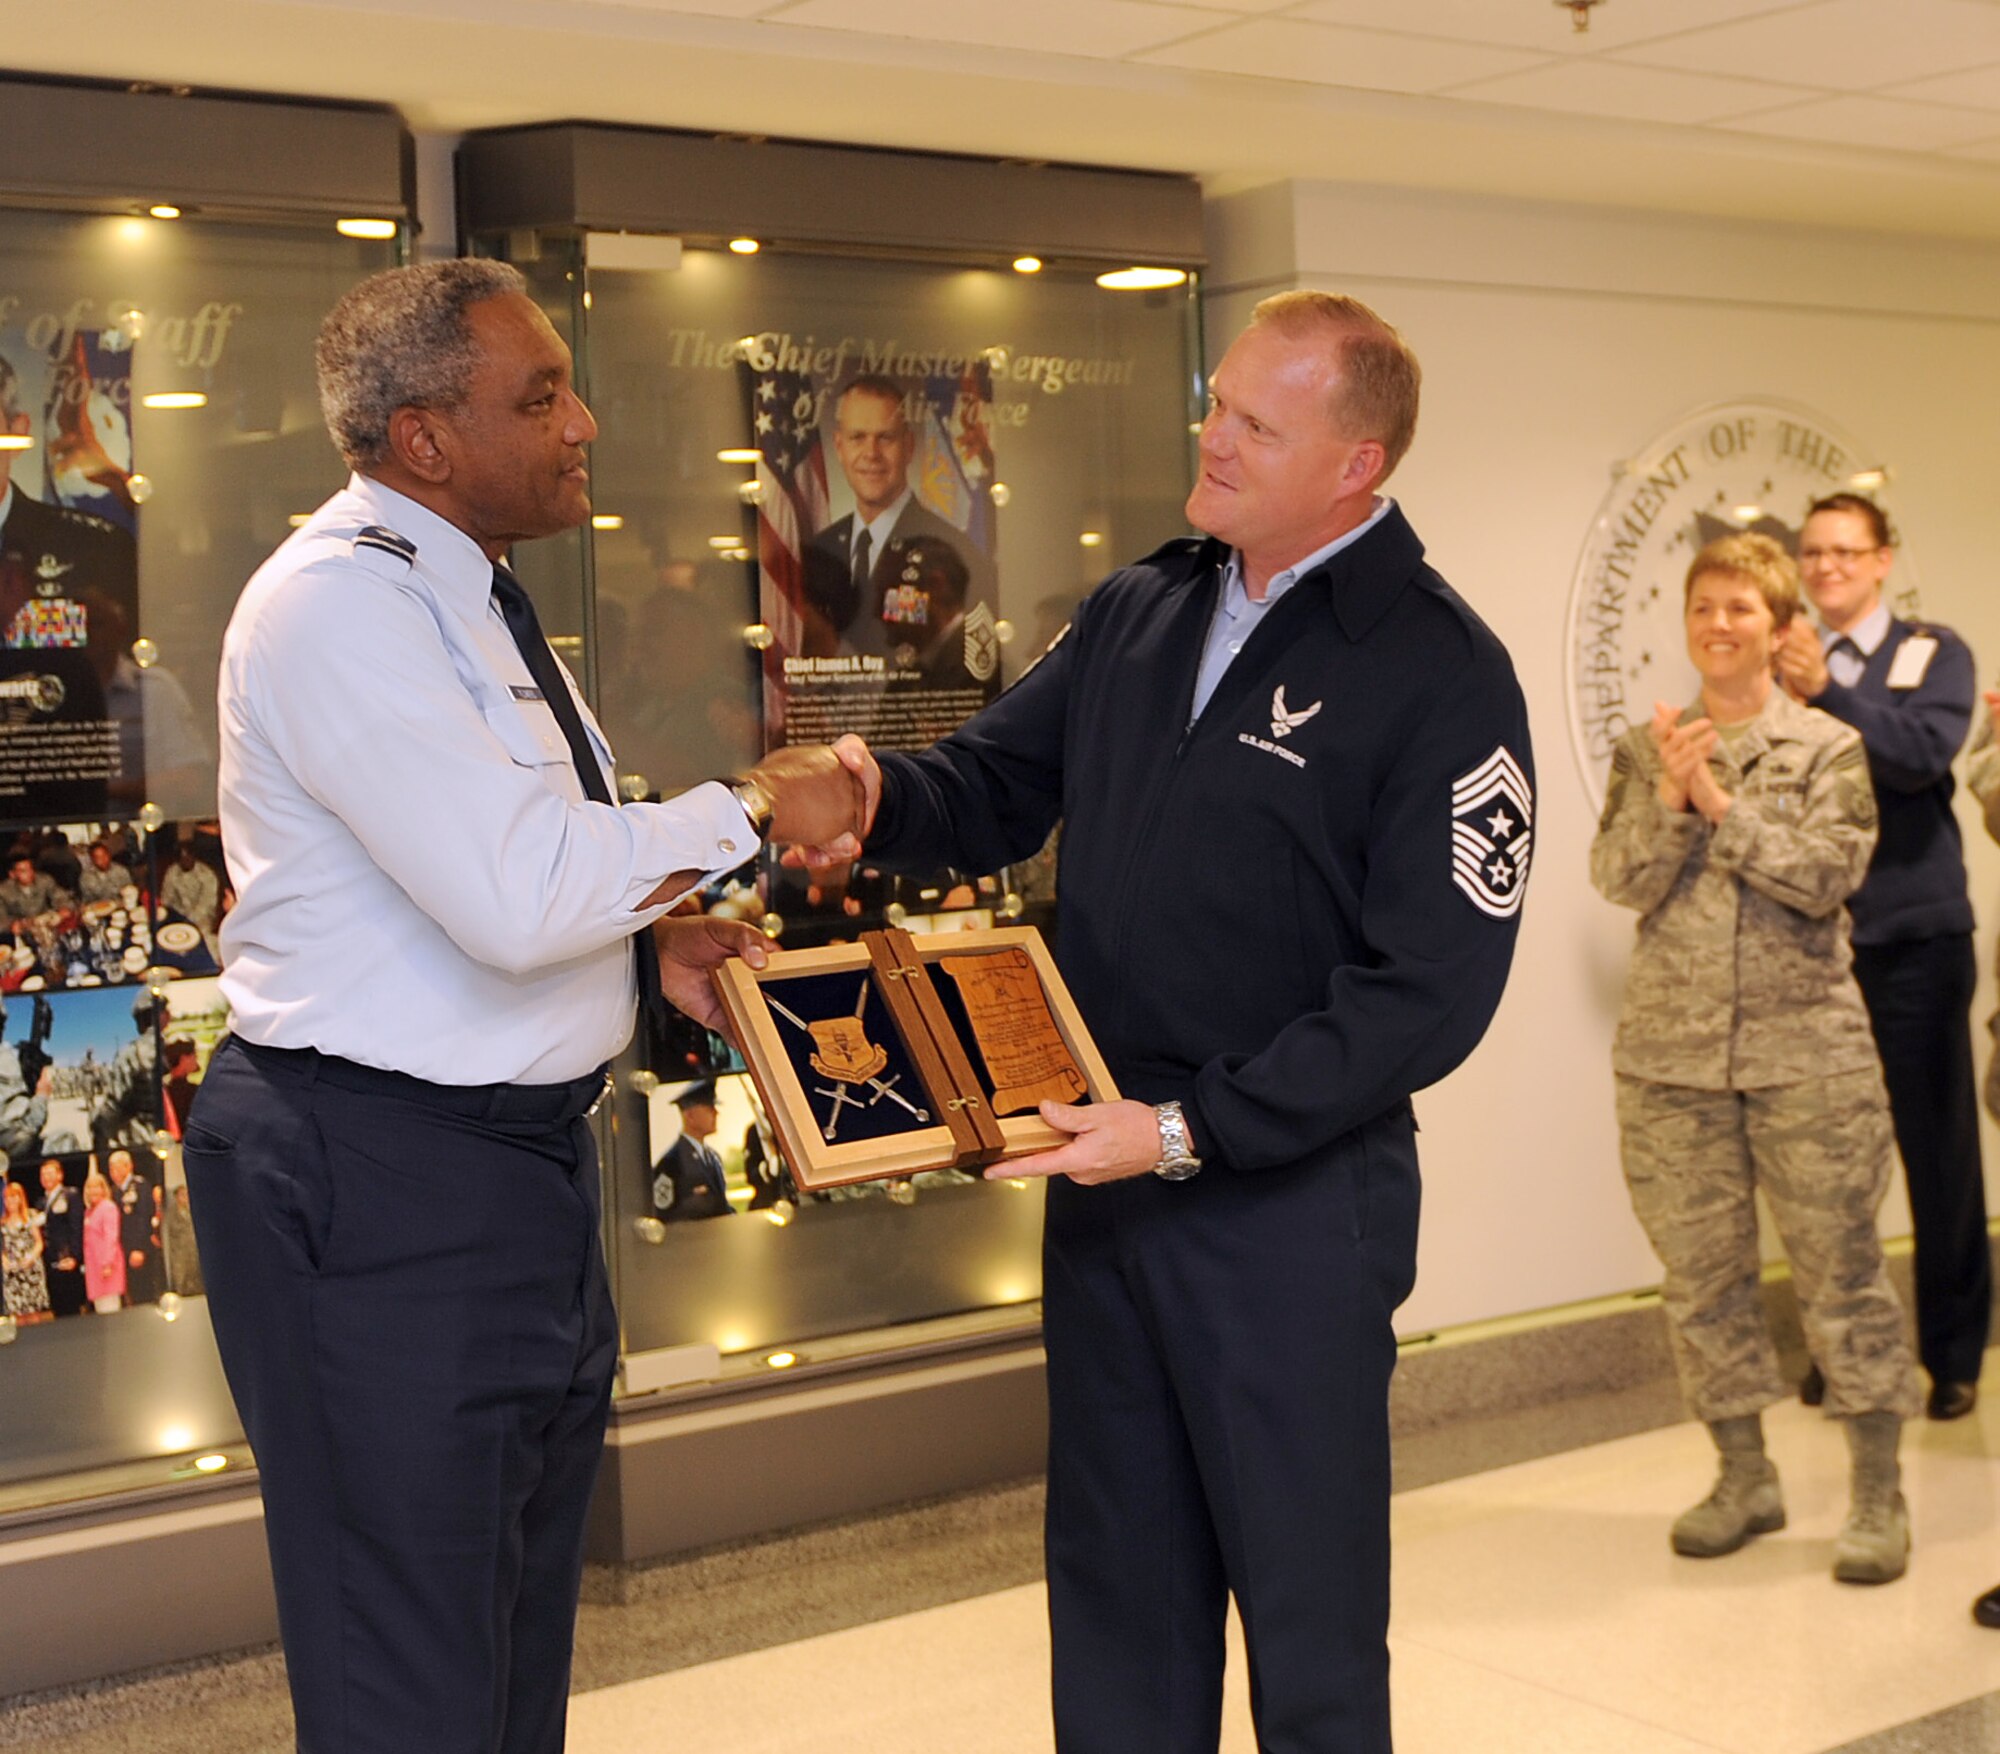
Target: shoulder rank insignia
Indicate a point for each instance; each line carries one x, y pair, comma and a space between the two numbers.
386, 541
1489, 851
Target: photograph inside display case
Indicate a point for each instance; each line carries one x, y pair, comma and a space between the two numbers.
109, 1011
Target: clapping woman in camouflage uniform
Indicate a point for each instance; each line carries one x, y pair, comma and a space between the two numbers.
1736, 829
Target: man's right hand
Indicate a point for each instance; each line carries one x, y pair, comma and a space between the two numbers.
817, 804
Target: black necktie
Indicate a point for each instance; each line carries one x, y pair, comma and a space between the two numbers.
862, 544
526, 627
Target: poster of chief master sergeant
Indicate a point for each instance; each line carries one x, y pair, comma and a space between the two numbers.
64, 571
877, 576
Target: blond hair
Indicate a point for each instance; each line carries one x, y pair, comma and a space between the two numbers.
1761, 561
1380, 381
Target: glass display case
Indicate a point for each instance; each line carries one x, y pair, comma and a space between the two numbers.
1018, 428
159, 433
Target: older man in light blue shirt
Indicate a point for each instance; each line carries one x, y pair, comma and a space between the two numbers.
442, 923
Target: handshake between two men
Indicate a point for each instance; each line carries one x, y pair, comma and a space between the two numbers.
821, 802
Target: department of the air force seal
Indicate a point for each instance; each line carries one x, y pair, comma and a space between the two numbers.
1741, 466
1492, 824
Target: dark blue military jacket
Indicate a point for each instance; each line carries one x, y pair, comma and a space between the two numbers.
1299, 909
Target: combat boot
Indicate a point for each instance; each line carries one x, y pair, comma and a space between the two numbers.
1746, 1500
1874, 1543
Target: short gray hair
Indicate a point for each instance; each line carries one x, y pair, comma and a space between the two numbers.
401, 339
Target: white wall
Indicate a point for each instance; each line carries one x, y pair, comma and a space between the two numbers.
1555, 341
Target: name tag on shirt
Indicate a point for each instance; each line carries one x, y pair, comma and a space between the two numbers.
521, 693
1912, 659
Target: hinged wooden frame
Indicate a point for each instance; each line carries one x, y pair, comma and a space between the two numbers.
955, 1138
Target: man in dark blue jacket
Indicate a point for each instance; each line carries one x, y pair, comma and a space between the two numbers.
1909, 690
1293, 773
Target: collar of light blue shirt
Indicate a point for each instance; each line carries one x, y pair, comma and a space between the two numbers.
1867, 634
446, 553
1236, 595
884, 525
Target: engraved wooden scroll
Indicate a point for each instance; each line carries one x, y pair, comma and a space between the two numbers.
1026, 1056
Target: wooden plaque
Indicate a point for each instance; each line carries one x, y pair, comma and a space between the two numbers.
903, 1053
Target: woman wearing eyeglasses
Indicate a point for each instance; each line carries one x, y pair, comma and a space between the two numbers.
1909, 688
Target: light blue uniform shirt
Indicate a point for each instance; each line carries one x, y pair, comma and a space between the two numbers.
421, 884
1866, 636
1236, 617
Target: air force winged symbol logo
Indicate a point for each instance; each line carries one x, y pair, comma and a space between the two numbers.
1492, 822
1284, 723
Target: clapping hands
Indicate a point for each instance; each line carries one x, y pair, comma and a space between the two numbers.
1686, 779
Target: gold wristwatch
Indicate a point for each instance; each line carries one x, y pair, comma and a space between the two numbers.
757, 803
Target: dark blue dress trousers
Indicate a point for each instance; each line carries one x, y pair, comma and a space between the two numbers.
408, 1291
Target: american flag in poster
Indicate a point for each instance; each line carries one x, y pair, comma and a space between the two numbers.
791, 508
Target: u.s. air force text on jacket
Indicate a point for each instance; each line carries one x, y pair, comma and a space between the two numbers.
1298, 909
421, 884
1741, 977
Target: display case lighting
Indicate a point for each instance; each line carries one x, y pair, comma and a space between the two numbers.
1027, 264
606, 521
174, 399
740, 454
744, 246
1141, 279
163, 210
366, 228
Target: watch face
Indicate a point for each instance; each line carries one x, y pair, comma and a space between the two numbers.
1179, 1170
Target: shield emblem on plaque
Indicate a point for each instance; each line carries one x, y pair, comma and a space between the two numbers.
844, 1051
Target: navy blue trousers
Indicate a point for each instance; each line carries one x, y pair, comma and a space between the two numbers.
1219, 1359
409, 1296
1919, 996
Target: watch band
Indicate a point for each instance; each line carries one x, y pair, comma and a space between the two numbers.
1177, 1158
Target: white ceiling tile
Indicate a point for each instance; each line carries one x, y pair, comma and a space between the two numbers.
1537, 24
1636, 94
1871, 121
1978, 88
1318, 54
1848, 45
1100, 28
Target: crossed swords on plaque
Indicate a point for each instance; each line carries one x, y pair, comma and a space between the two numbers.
844, 1054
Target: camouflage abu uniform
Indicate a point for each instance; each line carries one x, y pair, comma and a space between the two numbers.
1744, 1059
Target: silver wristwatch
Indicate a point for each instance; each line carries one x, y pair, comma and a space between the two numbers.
1177, 1158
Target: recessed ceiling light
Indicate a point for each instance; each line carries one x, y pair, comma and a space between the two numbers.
16, 441
174, 399
744, 246
740, 454
366, 228
163, 210
606, 521
1027, 264
1141, 279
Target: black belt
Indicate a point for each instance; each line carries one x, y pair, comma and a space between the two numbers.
551, 1104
